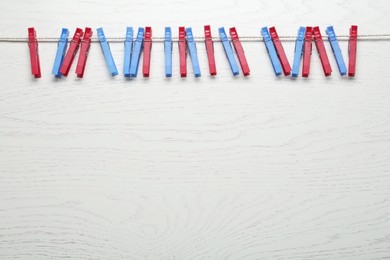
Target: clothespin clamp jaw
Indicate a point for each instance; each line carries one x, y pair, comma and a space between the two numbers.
168, 51
301, 34
233, 34
129, 34
87, 35
34, 55
210, 50
240, 51
85, 45
148, 34
182, 52
271, 51
322, 51
336, 50
331, 34
101, 36
353, 32
280, 51
64, 36
298, 52
77, 36
147, 51
128, 50
61, 51
352, 50
182, 34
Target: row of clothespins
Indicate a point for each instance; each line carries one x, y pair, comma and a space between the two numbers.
143, 43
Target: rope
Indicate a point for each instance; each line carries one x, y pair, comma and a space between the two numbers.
361, 37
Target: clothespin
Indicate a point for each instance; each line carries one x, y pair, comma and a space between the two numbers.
279, 49
85, 44
193, 53
353, 32
135, 57
168, 52
34, 55
147, 51
307, 52
61, 50
336, 50
182, 52
321, 51
106, 52
128, 50
240, 51
298, 52
210, 50
271, 51
229, 51
71, 53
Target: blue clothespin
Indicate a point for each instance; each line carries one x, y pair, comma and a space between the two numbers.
336, 50
135, 57
271, 51
168, 52
193, 53
61, 50
229, 51
107, 53
128, 50
298, 52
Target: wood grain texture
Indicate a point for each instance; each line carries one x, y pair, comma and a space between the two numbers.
209, 168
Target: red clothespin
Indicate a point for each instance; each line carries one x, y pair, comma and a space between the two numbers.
34, 55
183, 52
85, 44
353, 31
240, 51
71, 53
321, 51
279, 49
147, 51
307, 51
210, 50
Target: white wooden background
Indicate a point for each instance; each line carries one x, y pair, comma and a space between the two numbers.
213, 168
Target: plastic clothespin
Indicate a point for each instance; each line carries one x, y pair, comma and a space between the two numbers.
85, 45
336, 50
193, 52
71, 53
61, 50
307, 50
147, 51
210, 50
168, 52
229, 51
240, 51
34, 55
271, 51
353, 33
106, 52
128, 50
135, 57
298, 52
182, 52
321, 51
279, 49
